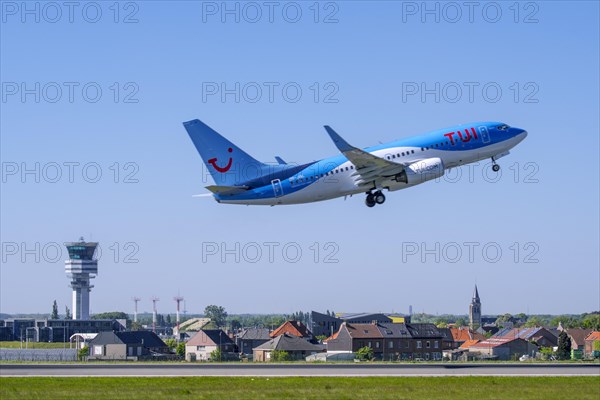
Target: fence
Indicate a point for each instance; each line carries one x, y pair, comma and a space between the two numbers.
38, 354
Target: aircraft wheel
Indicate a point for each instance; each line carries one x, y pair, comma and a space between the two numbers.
370, 200
495, 168
379, 198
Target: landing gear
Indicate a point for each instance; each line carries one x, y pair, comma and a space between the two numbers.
374, 198
495, 167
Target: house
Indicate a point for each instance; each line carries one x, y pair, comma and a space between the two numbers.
503, 348
296, 347
126, 345
327, 325
592, 345
294, 328
578, 336
447, 339
250, 338
464, 334
389, 341
203, 343
428, 340
539, 335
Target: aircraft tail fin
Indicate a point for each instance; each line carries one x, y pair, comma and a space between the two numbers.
227, 163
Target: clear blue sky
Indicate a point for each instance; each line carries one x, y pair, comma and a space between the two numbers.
546, 65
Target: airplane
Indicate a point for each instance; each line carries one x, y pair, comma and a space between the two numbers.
241, 179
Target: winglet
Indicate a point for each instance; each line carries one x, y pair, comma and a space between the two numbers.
339, 142
280, 160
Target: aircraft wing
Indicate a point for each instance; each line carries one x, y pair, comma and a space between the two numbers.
369, 168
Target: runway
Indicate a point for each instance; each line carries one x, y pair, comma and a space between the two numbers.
281, 370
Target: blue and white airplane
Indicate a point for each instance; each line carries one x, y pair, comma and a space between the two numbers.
240, 179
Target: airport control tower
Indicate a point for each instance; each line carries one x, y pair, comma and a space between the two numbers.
81, 267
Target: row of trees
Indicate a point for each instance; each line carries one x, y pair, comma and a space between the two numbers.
54, 314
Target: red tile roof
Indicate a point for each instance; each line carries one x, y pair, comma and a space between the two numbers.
295, 328
464, 334
468, 344
593, 336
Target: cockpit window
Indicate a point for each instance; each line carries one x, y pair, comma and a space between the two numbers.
502, 127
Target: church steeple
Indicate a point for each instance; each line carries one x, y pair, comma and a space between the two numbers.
475, 310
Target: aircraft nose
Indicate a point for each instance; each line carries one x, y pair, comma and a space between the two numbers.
522, 133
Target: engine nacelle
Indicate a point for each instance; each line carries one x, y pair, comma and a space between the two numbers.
421, 171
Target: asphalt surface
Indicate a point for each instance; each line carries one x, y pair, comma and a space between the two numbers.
271, 370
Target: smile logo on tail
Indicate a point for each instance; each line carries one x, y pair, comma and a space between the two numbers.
213, 162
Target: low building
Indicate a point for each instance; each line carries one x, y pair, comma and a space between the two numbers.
129, 345
577, 336
296, 347
250, 338
503, 348
389, 341
294, 328
538, 335
206, 341
592, 345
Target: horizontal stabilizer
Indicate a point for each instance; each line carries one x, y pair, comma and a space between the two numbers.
227, 190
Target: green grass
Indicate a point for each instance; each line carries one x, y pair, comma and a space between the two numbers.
33, 345
413, 388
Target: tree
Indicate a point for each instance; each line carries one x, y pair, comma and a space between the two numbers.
216, 355
172, 343
67, 313
111, 315
280, 355
534, 322
320, 338
180, 349
591, 321
136, 326
216, 314
54, 314
441, 322
460, 322
168, 320
83, 353
564, 346
235, 325
364, 353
